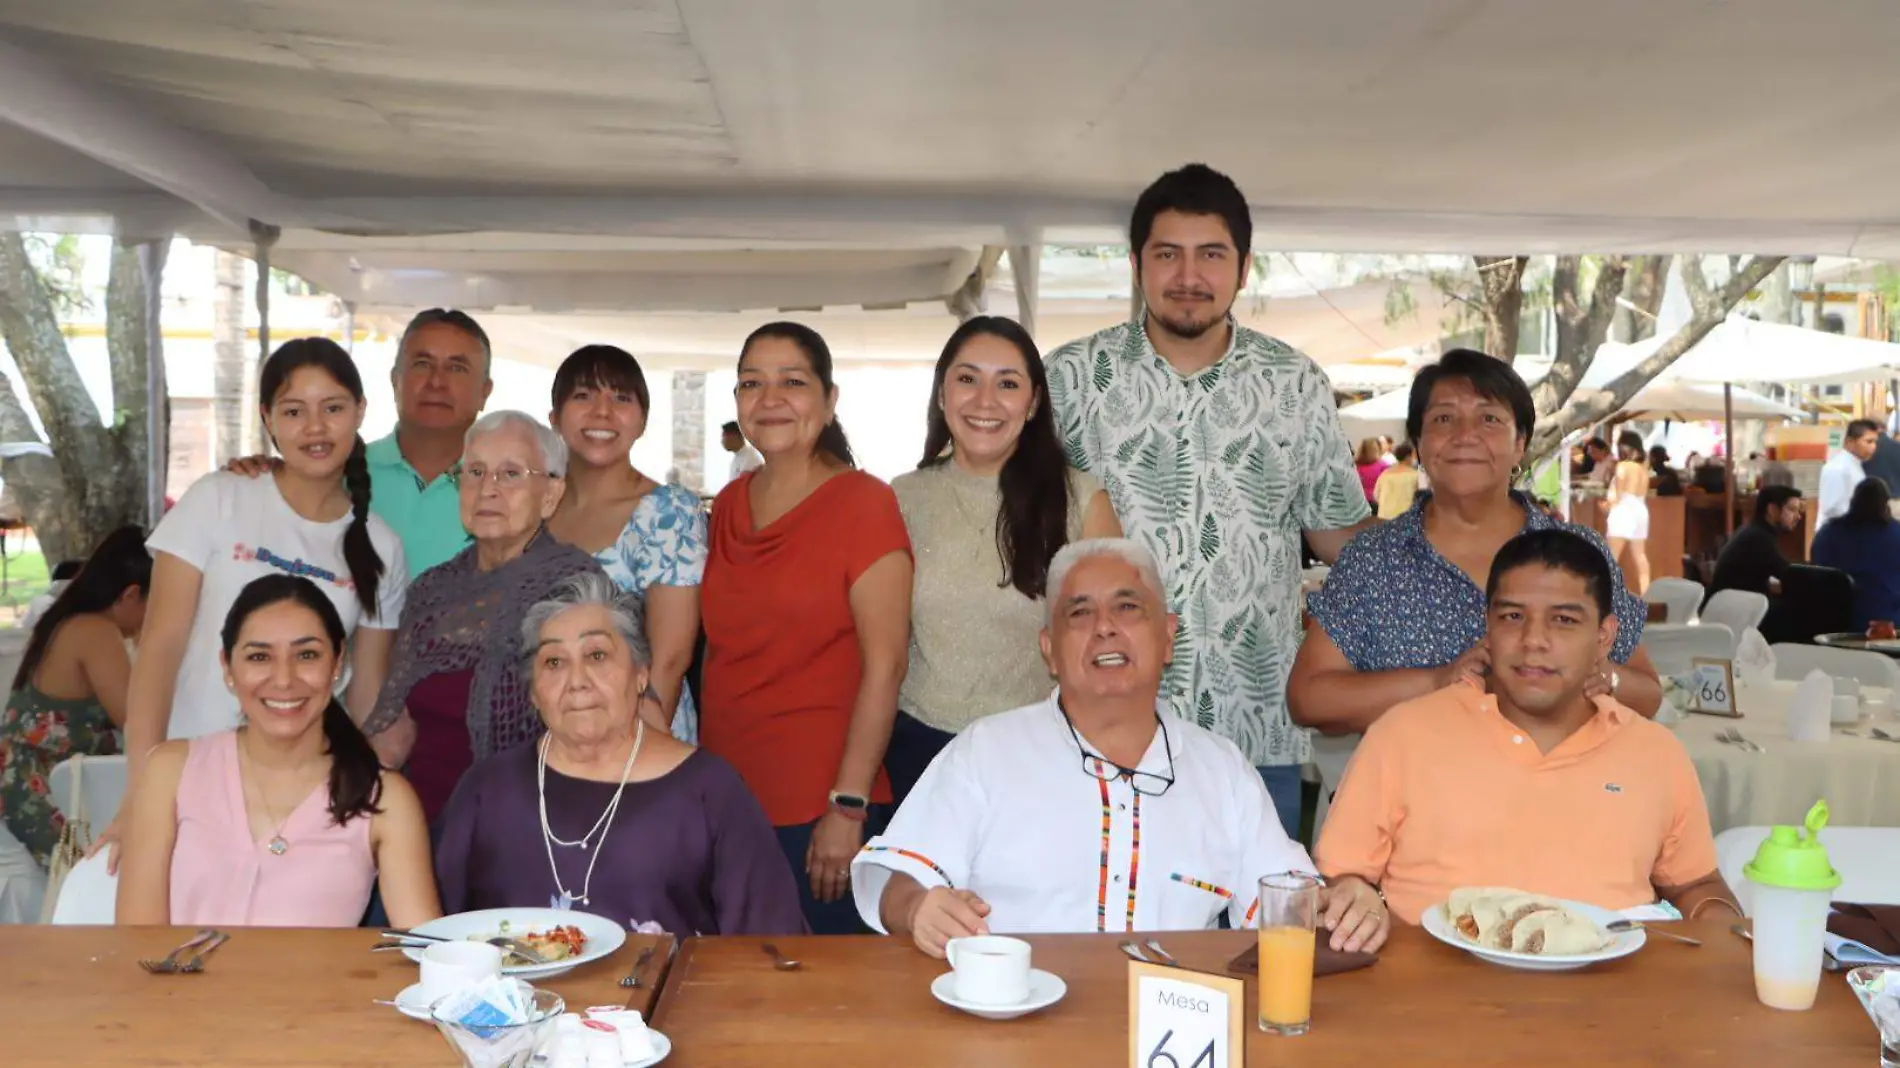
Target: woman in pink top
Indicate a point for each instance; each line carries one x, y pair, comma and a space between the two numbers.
287, 821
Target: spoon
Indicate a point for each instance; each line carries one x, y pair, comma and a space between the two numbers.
1620, 926
1135, 952
779, 960
1166, 957
1828, 962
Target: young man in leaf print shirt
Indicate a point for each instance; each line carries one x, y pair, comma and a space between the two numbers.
1219, 446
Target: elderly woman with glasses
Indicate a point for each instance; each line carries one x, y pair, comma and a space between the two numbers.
633, 823
456, 692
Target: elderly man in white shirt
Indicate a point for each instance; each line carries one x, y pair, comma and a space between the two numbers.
1094, 810
1846, 469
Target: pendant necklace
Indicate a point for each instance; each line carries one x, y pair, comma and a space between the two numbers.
277, 845
601, 826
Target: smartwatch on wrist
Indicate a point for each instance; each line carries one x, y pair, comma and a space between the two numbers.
850, 806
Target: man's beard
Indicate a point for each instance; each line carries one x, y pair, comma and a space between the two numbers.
1189, 329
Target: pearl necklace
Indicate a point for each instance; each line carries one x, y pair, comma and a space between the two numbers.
601, 826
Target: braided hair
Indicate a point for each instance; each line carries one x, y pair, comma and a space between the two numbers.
359, 553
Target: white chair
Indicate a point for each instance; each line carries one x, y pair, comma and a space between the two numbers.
1737, 610
1679, 597
104, 783
1794, 661
22, 881
1868, 859
89, 895
1675, 646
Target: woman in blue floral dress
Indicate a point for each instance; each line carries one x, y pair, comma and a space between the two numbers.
649, 537
68, 697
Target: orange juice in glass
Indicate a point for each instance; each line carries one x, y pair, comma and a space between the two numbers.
1288, 913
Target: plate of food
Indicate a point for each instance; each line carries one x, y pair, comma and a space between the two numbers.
1529, 931
566, 939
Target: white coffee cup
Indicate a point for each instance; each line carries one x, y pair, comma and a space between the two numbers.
991, 969
450, 966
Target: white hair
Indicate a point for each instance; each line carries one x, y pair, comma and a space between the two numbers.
1126, 550
553, 448
585, 589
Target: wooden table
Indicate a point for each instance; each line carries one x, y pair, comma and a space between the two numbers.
75, 997
866, 1001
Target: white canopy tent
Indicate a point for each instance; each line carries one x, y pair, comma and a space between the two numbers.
1385, 414
1740, 349
402, 153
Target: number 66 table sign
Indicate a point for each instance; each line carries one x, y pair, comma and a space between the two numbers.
1712, 687
1183, 1019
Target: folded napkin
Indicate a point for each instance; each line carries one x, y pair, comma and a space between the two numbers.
1811, 713
1326, 959
1659, 912
1864, 934
1754, 659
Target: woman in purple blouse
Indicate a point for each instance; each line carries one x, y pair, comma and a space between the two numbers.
602, 814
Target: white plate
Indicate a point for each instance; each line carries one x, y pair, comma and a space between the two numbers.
1044, 990
1622, 944
604, 936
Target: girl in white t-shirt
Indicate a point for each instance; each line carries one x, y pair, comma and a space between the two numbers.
310, 517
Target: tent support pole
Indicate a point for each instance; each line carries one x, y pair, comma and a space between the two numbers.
1728, 456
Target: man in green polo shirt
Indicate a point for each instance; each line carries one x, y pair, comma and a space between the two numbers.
441, 380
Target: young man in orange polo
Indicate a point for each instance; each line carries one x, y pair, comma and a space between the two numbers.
1526, 782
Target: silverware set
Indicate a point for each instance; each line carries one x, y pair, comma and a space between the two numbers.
1161, 956
1731, 736
188, 959
513, 947
1637, 925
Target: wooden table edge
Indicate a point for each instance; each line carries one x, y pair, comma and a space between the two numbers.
670, 982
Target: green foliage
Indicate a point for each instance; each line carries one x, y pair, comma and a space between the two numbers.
62, 268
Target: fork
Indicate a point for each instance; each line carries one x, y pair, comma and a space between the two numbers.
197, 963
1734, 737
169, 963
1884, 736
633, 977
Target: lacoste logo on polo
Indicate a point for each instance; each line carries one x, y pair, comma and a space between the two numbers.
1612, 788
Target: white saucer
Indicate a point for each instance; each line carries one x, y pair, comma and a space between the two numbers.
413, 1004
1044, 990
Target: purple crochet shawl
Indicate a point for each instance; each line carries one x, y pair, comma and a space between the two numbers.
458, 616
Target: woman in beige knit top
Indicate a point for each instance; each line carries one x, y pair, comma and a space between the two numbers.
988, 506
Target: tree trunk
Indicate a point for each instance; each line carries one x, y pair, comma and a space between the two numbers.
1582, 326
95, 480
1647, 279
1711, 307
229, 411
1502, 279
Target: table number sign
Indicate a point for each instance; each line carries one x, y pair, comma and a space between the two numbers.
1183, 1019
1712, 687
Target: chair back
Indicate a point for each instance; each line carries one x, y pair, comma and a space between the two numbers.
104, 783
1794, 661
1868, 859
1737, 610
89, 895
22, 881
1674, 647
1814, 600
1679, 597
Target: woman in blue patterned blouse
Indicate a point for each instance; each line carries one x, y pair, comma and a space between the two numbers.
650, 538
1402, 614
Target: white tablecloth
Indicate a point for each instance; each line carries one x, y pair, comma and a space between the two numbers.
1859, 776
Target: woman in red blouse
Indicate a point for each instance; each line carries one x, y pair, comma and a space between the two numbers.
807, 613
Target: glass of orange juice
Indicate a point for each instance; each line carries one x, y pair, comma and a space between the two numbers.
1288, 914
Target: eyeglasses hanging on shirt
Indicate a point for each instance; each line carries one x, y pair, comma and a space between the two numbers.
1102, 769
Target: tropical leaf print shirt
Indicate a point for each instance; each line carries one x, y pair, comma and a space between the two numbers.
1217, 473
